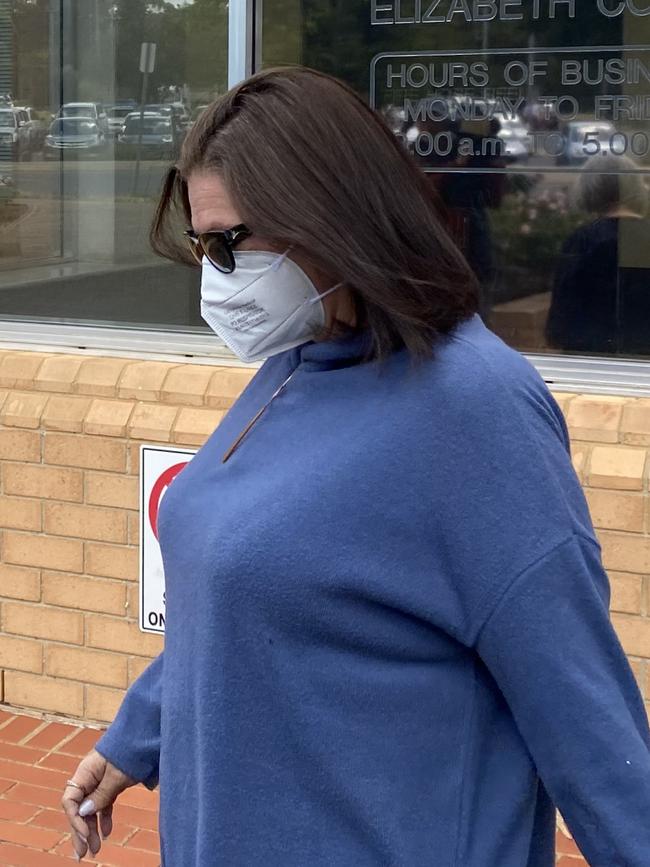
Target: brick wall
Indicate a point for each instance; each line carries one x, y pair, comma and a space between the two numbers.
70, 435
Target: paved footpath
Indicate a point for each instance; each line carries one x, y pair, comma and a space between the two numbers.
36, 758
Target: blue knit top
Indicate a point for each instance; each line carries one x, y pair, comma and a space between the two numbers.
387, 633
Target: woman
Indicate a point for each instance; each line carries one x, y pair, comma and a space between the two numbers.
387, 639
600, 300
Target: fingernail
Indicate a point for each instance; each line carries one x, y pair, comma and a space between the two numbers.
86, 807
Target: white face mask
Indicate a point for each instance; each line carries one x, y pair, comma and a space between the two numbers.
268, 304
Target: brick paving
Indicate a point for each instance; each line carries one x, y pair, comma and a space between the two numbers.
36, 758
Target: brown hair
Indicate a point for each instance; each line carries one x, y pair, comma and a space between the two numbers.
308, 163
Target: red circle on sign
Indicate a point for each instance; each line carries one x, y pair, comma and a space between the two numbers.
162, 482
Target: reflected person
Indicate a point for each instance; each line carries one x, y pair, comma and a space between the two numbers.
601, 304
387, 632
467, 194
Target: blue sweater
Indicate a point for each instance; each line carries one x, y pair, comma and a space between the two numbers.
388, 641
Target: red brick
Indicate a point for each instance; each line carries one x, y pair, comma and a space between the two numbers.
566, 846
124, 814
119, 856
28, 835
148, 840
65, 850
20, 855
50, 736
55, 819
28, 794
4, 716
5, 785
13, 811
81, 743
59, 762
121, 834
33, 776
19, 728
137, 796
20, 754
568, 861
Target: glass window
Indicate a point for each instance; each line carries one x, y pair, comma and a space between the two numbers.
79, 172
530, 119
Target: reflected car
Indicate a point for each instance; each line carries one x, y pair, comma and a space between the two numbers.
583, 139
14, 135
79, 135
158, 136
158, 108
36, 128
171, 109
93, 110
516, 139
182, 116
196, 111
116, 115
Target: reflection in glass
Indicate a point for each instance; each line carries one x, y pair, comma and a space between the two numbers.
601, 301
503, 115
79, 171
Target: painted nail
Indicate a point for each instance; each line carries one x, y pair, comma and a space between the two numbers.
86, 807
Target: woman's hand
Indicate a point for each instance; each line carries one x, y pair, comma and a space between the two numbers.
102, 782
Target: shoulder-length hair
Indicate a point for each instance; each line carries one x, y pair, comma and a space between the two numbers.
307, 163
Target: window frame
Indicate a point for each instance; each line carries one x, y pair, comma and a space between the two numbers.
561, 372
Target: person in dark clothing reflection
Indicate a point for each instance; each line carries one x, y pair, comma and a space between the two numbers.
601, 294
466, 193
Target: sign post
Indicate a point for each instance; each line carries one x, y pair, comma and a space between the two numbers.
147, 66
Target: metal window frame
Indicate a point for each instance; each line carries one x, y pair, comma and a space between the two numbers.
241, 33
562, 373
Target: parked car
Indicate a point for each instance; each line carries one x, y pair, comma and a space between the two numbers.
583, 139
14, 134
158, 108
81, 136
516, 139
93, 110
116, 115
182, 115
36, 128
171, 109
158, 134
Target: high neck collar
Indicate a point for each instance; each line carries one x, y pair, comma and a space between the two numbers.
340, 351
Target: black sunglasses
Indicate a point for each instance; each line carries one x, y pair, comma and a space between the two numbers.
217, 246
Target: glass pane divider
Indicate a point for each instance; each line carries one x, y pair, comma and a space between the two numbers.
240, 40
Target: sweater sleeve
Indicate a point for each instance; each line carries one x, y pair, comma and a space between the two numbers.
549, 644
132, 741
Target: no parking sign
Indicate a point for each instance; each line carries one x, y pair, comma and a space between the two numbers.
159, 466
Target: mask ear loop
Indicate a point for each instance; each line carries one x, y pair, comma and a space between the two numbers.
293, 313
323, 294
280, 259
